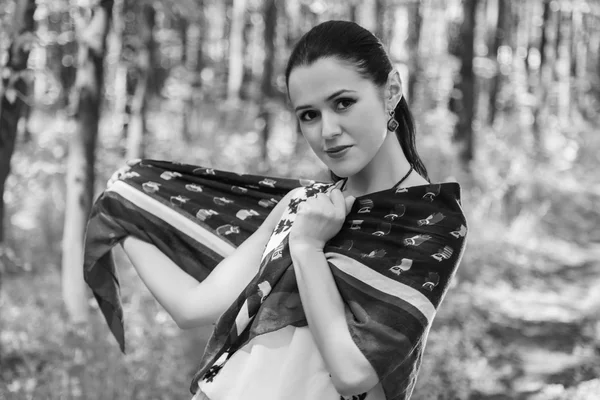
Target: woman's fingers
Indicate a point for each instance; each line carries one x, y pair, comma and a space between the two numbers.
116, 175
341, 203
349, 203
119, 173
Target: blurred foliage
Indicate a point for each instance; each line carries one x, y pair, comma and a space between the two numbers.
521, 320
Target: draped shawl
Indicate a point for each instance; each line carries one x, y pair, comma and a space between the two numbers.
392, 260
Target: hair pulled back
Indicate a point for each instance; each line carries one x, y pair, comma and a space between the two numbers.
353, 44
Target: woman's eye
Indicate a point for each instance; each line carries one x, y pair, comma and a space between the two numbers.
307, 116
344, 103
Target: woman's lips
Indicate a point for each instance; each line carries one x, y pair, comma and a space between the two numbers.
339, 153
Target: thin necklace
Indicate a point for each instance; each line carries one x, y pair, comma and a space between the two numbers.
396, 185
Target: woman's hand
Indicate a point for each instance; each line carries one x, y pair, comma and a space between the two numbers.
320, 218
119, 173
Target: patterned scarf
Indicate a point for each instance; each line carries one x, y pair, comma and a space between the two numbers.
392, 261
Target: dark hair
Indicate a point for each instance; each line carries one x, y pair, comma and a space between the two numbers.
351, 43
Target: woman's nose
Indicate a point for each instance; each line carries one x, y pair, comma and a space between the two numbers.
330, 126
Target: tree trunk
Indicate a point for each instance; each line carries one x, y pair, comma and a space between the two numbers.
575, 37
121, 103
253, 63
293, 22
563, 68
236, 51
183, 26
584, 54
381, 22
266, 87
139, 101
466, 115
414, 36
270, 36
502, 31
91, 28
527, 15
14, 91
597, 57
521, 68
353, 11
367, 15
547, 59
194, 64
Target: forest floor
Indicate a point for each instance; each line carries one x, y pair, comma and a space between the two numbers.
521, 321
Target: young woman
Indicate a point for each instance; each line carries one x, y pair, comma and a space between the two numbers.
348, 100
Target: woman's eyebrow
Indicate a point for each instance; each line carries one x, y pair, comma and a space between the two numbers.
331, 96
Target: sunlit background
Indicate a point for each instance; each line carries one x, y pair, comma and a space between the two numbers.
506, 97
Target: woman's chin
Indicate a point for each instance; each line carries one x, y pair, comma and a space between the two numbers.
341, 168
341, 172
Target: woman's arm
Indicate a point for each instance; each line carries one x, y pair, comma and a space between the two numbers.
190, 303
166, 281
351, 372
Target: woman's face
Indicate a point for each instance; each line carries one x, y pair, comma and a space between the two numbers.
337, 107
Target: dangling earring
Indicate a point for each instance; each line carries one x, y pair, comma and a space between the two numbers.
392, 124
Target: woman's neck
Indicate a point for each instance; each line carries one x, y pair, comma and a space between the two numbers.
387, 167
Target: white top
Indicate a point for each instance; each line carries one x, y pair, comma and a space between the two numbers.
284, 364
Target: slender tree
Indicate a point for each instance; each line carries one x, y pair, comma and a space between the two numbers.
14, 91
121, 102
194, 61
91, 28
266, 87
466, 85
563, 65
596, 55
293, 17
236, 51
352, 11
381, 21
547, 60
579, 40
415, 21
367, 13
585, 63
500, 38
145, 15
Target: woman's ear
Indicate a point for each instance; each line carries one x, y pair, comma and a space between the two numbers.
393, 89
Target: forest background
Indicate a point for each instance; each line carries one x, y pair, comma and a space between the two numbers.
506, 96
